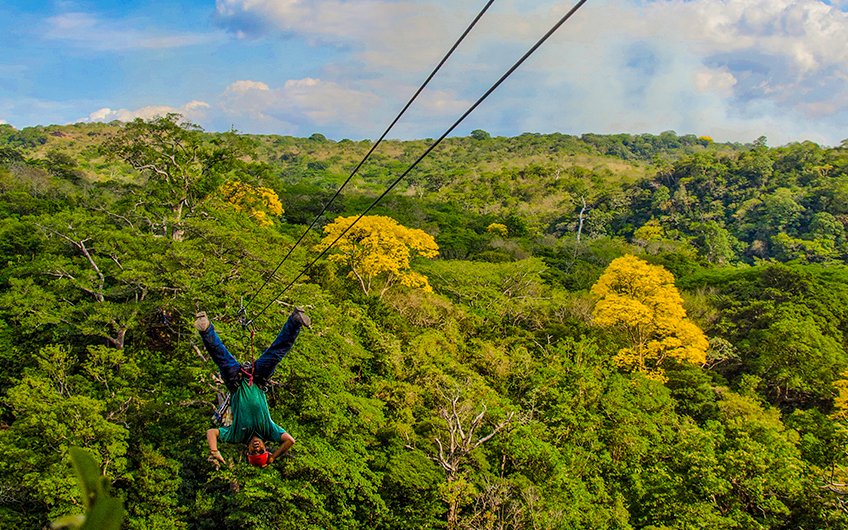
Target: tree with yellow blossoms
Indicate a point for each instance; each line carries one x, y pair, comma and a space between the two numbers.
259, 202
640, 301
498, 229
378, 251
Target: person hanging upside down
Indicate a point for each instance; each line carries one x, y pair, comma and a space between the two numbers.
252, 423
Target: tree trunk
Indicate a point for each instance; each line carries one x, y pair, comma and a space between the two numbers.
581, 218
453, 509
177, 234
118, 340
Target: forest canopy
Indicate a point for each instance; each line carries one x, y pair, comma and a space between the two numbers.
545, 331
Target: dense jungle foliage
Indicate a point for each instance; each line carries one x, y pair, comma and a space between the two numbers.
480, 388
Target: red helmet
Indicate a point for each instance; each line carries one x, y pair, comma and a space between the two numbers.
259, 460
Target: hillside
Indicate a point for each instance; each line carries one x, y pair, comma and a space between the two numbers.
498, 385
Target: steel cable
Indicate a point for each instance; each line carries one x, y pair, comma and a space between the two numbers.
482, 98
373, 147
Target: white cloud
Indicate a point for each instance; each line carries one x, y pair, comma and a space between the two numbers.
743, 67
3, 122
733, 69
804, 31
718, 80
192, 111
87, 31
358, 109
240, 87
298, 106
442, 103
382, 33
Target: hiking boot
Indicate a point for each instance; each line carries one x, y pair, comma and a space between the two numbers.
201, 321
300, 316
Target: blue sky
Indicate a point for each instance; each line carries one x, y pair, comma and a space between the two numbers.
731, 69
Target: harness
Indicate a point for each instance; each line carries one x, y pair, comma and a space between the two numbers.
223, 417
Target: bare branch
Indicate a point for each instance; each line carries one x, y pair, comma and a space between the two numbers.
496, 430
80, 245
115, 259
442, 460
117, 216
199, 352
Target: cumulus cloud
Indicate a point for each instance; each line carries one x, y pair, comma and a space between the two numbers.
241, 87
740, 68
356, 109
385, 48
734, 69
382, 33
193, 111
88, 31
297, 105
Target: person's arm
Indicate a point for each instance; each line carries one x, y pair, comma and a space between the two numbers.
212, 439
287, 442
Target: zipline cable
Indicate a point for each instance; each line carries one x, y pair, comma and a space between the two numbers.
373, 147
494, 87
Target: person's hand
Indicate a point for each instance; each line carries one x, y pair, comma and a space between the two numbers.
201, 322
216, 459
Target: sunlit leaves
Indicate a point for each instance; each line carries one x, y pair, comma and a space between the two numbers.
589, 446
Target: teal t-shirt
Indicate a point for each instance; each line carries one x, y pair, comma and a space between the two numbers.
250, 416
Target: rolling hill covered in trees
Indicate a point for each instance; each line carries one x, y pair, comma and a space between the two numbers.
546, 331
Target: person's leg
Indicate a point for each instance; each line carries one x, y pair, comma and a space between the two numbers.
227, 364
264, 367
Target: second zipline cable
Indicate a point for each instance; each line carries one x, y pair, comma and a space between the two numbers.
373, 147
477, 103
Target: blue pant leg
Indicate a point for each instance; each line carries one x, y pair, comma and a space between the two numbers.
227, 364
267, 363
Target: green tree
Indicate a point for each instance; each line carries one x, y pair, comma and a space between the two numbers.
178, 160
715, 242
51, 404
464, 434
788, 326
103, 512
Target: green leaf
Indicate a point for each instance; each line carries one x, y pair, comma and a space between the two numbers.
107, 514
89, 476
68, 521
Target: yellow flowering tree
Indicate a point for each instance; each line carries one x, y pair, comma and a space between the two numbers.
259, 202
498, 229
641, 302
378, 250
